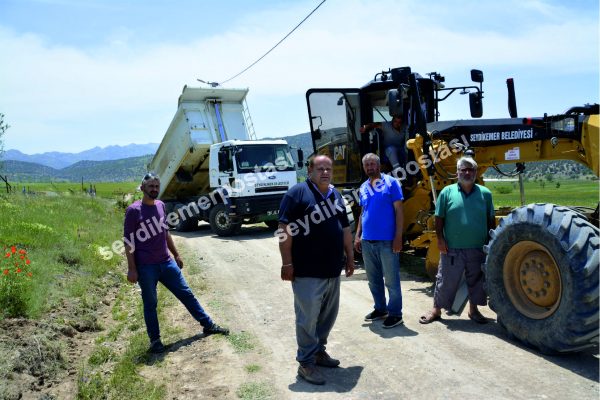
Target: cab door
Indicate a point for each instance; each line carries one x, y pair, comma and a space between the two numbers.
334, 116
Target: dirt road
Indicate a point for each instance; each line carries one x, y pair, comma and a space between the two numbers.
451, 359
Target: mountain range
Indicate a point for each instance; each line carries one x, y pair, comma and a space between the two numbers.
99, 164
58, 160
128, 163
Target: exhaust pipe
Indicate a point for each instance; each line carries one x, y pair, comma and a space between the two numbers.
512, 101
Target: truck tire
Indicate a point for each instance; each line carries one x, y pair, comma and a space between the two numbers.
190, 224
272, 224
220, 221
542, 277
187, 225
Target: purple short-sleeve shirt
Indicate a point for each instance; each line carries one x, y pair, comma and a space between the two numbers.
145, 230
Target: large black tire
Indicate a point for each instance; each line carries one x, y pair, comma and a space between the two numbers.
272, 224
190, 224
221, 223
542, 277
187, 225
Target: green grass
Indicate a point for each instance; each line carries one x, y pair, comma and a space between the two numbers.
242, 342
61, 235
569, 193
113, 190
252, 368
255, 391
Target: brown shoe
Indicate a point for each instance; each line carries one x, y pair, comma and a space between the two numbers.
311, 374
324, 360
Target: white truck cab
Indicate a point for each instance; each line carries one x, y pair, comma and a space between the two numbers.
211, 170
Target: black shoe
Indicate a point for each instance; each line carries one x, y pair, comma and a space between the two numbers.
391, 322
375, 315
324, 360
156, 347
311, 374
215, 329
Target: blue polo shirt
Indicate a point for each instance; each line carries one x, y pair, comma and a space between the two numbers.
316, 223
377, 202
465, 215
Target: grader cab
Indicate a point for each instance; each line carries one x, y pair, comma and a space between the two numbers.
542, 259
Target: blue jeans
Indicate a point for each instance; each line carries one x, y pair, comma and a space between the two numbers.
383, 270
396, 155
169, 274
316, 303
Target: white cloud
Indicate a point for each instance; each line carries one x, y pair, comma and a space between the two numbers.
67, 98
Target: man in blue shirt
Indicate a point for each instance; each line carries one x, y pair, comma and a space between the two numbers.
379, 238
313, 236
464, 214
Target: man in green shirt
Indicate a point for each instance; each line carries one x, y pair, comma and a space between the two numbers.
464, 214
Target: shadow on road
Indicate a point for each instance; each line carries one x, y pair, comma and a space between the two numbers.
339, 380
397, 331
171, 348
584, 363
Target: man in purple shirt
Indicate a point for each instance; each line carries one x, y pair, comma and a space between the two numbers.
147, 245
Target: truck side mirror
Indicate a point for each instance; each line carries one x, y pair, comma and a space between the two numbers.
477, 75
224, 161
475, 104
300, 158
394, 98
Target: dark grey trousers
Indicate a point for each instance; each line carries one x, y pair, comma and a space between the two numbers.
450, 271
316, 303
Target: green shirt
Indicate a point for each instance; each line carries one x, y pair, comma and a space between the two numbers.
465, 215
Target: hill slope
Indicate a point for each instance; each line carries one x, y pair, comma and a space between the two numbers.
131, 168
61, 160
123, 170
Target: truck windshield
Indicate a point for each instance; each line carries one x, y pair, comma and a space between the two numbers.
264, 157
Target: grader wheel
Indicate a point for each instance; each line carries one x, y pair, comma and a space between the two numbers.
542, 277
532, 279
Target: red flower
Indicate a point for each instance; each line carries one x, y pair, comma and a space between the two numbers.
13, 249
18, 270
22, 251
22, 257
28, 262
7, 255
5, 272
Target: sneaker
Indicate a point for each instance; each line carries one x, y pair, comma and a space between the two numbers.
392, 321
156, 347
311, 374
375, 315
324, 360
215, 329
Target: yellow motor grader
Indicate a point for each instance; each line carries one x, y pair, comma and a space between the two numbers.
542, 259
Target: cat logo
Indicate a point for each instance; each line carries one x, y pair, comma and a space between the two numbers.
339, 152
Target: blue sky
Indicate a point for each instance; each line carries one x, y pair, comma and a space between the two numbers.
75, 74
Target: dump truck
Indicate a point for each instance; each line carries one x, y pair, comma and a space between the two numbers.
542, 259
213, 169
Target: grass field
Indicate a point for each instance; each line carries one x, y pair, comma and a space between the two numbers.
564, 192
103, 189
61, 235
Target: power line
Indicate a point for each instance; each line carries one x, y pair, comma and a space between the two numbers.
273, 48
